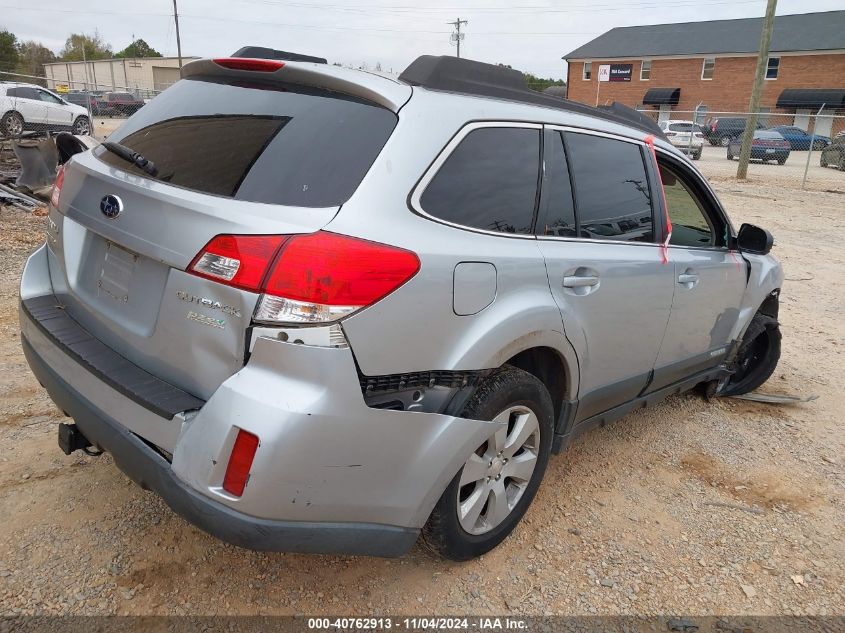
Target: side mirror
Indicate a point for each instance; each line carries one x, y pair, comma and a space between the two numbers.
753, 239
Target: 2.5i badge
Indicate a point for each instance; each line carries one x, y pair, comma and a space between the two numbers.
206, 320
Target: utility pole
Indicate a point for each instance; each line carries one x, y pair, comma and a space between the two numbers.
754, 106
178, 40
457, 34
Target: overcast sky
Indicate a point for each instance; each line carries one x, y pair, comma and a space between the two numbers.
531, 35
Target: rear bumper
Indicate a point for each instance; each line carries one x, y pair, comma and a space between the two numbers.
331, 475
151, 471
761, 154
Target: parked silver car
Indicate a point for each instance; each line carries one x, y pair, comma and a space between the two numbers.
321, 310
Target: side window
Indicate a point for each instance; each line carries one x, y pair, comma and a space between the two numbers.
557, 213
489, 181
23, 93
690, 224
612, 195
46, 96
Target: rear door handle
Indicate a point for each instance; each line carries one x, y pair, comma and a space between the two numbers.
577, 281
687, 278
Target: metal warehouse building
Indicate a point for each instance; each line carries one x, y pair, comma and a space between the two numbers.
709, 67
142, 75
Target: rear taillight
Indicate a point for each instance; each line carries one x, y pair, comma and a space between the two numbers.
698, 135
240, 462
237, 260
57, 186
246, 63
671, 134
306, 279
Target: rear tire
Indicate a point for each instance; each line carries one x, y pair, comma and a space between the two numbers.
11, 124
781, 161
696, 156
730, 155
504, 458
822, 161
757, 357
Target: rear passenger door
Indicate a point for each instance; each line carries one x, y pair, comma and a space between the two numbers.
597, 232
27, 102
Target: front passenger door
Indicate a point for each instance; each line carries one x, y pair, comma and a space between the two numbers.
58, 112
709, 279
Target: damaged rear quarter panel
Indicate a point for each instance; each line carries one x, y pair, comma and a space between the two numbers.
324, 455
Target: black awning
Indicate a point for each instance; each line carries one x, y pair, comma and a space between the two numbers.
662, 96
811, 98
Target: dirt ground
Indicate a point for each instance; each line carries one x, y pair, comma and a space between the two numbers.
695, 507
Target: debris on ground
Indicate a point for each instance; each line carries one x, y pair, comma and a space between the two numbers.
774, 398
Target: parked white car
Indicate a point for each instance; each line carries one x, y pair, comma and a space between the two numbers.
30, 107
685, 135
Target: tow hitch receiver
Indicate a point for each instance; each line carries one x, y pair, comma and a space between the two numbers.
71, 439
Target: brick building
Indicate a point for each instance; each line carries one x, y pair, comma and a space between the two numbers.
708, 67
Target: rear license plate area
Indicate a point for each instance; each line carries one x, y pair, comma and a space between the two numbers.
116, 273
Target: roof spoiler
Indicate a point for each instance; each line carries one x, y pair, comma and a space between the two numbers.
466, 76
260, 52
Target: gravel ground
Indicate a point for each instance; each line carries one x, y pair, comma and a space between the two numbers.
727, 507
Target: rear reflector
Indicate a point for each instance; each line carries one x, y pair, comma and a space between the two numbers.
240, 461
57, 187
246, 63
313, 278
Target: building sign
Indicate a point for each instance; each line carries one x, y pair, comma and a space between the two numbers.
621, 72
616, 72
62, 88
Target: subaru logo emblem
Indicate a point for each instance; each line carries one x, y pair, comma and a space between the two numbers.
111, 206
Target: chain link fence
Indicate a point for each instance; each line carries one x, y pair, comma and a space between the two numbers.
811, 141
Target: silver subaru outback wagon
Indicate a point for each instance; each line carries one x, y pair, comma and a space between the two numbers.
321, 310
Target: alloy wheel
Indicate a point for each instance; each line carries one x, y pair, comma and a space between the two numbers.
82, 127
14, 125
495, 476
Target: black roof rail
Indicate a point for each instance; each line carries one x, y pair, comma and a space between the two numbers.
466, 76
260, 52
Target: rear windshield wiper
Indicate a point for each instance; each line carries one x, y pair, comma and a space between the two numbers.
131, 156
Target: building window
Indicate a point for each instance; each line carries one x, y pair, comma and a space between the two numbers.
645, 70
588, 71
708, 67
772, 67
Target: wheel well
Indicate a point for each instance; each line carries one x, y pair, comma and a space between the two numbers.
8, 112
548, 366
770, 304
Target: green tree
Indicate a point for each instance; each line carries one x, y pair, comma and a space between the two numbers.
93, 45
540, 84
138, 48
31, 59
8, 54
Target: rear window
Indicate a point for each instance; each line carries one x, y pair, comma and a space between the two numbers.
279, 144
489, 181
680, 127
